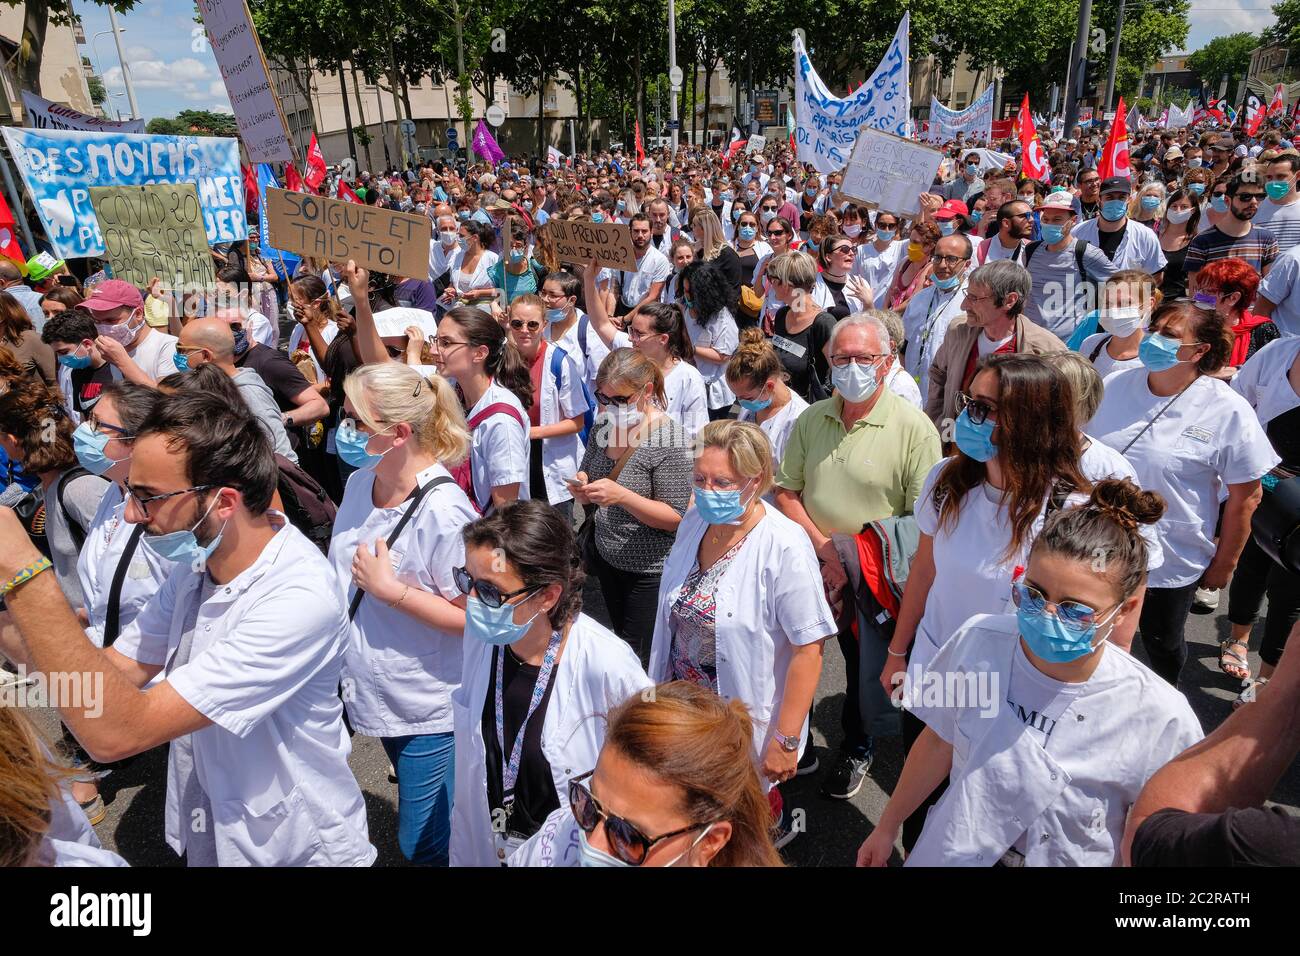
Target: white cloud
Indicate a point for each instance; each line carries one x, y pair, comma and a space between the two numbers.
134, 53
1225, 17
217, 88
185, 78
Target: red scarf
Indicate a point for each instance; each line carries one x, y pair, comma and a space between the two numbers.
1241, 333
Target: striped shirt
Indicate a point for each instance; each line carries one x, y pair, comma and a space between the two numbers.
1258, 247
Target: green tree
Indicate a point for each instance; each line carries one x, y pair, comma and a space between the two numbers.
1287, 28
97, 92
194, 123
1228, 55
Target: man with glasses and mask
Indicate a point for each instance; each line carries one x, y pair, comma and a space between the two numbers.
247, 635
931, 311
857, 457
137, 352
1235, 236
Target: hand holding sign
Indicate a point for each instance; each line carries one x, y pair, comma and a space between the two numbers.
358, 280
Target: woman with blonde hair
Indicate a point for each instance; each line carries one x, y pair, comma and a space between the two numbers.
696, 799
735, 553
397, 538
711, 246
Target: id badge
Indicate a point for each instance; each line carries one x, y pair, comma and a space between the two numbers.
506, 845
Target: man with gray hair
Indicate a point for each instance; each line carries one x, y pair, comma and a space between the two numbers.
995, 298
859, 456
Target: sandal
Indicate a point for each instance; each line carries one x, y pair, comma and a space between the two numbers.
1249, 692
1233, 662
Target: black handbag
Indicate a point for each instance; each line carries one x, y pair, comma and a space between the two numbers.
1276, 522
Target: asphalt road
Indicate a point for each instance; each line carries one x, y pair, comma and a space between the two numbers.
834, 828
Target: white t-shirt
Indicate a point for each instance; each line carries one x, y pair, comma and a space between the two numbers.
1282, 287
653, 267
723, 335
987, 346
1103, 363
1138, 249
478, 279
1208, 438
877, 268
153, 354
688, 402
440, 256
262, 330
298, 339
903, 385
499, 451
778, 427
1282, 221
400, 671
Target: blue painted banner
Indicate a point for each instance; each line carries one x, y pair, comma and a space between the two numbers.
58, 168
284, 263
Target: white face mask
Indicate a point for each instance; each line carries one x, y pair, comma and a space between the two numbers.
449, 237
1178, 216
852, 231
1122, 322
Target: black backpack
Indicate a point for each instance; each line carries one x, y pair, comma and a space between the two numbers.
306, 505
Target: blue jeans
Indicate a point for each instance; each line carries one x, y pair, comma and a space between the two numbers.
426, 779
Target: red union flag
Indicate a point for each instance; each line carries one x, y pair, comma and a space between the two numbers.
1114, 158
1278, 106
1254, 115
1032, 160
315, 165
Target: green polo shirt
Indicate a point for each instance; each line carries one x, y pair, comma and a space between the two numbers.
872, 471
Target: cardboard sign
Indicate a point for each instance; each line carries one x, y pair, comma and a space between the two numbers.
382, 240
608, 243
890, 172
393, 323
756, 144
154, 231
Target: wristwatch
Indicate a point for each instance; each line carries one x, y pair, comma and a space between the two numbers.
788, 744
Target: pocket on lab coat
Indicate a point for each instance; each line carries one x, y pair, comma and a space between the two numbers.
281, 834
414, 690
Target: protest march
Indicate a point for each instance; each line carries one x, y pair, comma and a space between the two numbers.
900, 481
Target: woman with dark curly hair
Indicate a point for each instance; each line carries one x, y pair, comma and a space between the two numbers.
712, 327
537, 674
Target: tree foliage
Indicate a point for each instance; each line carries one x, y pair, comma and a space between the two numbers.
1228, 55
194, 123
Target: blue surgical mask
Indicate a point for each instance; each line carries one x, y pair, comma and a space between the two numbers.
463, 215
597, 217
1219, 203
1150, 202
621, 205
755, 404
494, 625
89, 446
975, 441
810, 191
727, 197
947, 227
352, 448
948, 284
181, 361
748, 232
1051, 640
589, 855
1052, 234
1158, 352
516, 255
1195, 163
73, 360
885, 235
972, 169
556, 315
975, 217
183, 545
720, 507
1113, 210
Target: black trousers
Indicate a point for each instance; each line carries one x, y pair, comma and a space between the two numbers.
857, 736
1257, 574
632, 601
1163, 620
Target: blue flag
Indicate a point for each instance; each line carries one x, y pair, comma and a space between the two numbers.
284, 263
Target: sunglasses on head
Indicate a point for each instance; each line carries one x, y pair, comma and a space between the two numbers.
626, 840
487, 592
519, 324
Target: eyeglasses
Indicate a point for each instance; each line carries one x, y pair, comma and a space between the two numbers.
976, 410
979, 298
444, 343
120, 433
487, 592
519, 324
626, 839
143, 503
1072, 615
618, 401
842, 361
947, 260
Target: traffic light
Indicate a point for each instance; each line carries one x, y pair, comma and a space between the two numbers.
1088, 79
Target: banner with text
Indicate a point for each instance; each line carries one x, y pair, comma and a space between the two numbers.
607, 243
975, 120
46, 114
58, 168
248, 83
154, 232
381, 240
890, 172
826, 126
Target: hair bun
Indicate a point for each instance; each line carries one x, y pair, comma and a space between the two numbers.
1125, 503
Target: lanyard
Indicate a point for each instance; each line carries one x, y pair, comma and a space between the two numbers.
930, 317
1125, 449
510, 768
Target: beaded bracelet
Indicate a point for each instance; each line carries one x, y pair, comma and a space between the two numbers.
25, 575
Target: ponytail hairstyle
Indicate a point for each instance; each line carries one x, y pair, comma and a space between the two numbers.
386, 393
503, 363
1105, 532
691, 739
312, 287
539, 544
755, 362
667, 319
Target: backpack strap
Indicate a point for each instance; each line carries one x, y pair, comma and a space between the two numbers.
1030, 250
558, 355
584, 323
496, 408
76, 530
113, 618
416, 496
1079, 246
1100, 345
982, 253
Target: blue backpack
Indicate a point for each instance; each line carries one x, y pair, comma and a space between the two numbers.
558, 355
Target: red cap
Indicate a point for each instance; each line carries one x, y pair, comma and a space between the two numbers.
953, 207
113, 294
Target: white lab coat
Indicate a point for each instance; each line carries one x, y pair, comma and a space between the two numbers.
264, 668
926, 320
765, 607
561, 455
597, 672
821, 294
1071, 803
1263, 380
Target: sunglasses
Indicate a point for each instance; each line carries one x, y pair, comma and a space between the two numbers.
519, 325
1072, 615
978, 411
840, 250
1251, 197
626, 840
618, 401
487, 592
777, 232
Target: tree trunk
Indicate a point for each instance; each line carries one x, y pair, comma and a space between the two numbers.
583, 123
347, 113
709, 69
361, 115
406, 97
36, 18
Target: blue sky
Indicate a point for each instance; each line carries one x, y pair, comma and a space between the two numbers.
172, 70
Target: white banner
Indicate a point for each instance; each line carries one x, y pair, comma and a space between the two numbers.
975, 120
1179, 117
239, 56
554, 157
45, 114
827, 126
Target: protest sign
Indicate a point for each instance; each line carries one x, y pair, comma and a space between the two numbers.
396, 243
890, 172
392, 323
58, 168
45, 114
826, 126
248, 83
607, 243
975, 121
154, 231
756, 144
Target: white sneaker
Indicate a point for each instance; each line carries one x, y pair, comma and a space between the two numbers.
1206, 600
